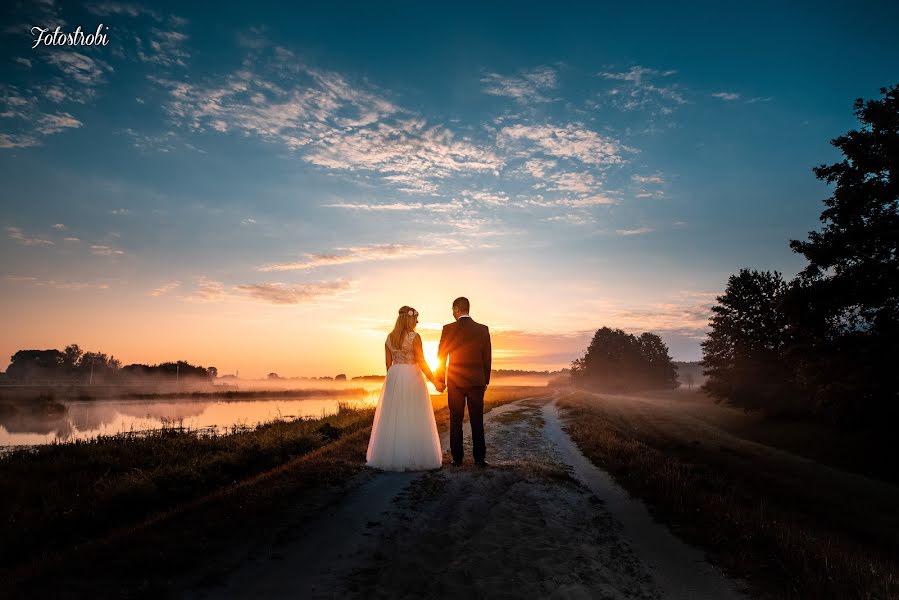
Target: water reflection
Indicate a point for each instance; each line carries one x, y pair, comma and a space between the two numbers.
88, 419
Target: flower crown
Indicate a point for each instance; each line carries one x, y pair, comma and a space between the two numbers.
412, 312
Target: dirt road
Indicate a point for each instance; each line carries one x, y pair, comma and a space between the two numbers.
540, 522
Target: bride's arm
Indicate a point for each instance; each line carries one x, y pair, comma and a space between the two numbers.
388, 358
420, 358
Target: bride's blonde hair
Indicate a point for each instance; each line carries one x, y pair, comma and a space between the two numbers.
405, 322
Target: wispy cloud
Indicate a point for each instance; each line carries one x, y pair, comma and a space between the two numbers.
165, 288
637, 231
572, 141
375, 252
58, 284
572, 219
30, 125
129, 9
101, 250
281, 293
733, 96
22, 238
527, 86
636, 90
329, 121
164, 47
487, 197
437, 207
83, 69
209, 290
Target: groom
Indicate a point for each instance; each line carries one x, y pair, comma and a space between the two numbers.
467, 346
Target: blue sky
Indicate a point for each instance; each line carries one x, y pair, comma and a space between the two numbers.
291, 174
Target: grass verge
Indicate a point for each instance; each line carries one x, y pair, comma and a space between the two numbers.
748, 534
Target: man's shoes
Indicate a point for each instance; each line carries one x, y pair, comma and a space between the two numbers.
456, 463
482, 463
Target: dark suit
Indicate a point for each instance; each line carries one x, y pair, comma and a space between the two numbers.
467, 346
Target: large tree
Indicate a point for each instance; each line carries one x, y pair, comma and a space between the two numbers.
618, 361
855, 257
743, 355
845, 303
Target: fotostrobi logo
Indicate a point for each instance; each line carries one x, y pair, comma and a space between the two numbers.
44, 36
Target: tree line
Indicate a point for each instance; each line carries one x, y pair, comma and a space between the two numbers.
75, 365
826, 342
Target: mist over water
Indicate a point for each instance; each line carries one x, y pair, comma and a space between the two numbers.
86, 419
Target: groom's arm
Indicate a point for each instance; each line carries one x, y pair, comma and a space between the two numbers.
441, 356
487, 356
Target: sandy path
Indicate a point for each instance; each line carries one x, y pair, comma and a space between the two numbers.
522, 528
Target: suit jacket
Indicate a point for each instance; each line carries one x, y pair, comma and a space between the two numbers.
466, 344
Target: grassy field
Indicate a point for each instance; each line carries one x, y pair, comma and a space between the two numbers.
165, 500
793, 527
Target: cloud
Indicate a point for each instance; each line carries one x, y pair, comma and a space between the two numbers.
409, 152
60, 226
208, 290
164, 47
165, 288
576, 202
437, 207
20, 237
121, 8
637, 92
85, 70
583, 183
31, 124
538, 168
637, 231
486, 197
728, 96
50, 124
328, 121
569, 142
647, 178
375, 252
59, 284
101, 250
23, 61
572, 219
526, 87
280, 293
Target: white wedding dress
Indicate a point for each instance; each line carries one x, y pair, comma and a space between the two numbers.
404, 434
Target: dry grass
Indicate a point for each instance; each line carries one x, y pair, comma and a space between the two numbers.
749, 530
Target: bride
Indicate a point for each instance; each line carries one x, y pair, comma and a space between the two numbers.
404, 434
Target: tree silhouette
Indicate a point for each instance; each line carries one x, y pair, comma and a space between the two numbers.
845, 304
743, 355
618, 361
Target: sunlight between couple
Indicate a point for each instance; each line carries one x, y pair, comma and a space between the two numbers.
404, 434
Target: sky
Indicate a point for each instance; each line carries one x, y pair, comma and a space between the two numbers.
260, 186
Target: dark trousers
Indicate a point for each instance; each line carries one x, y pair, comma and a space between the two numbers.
457, 398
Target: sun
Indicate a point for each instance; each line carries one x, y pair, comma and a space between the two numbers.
429, 349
